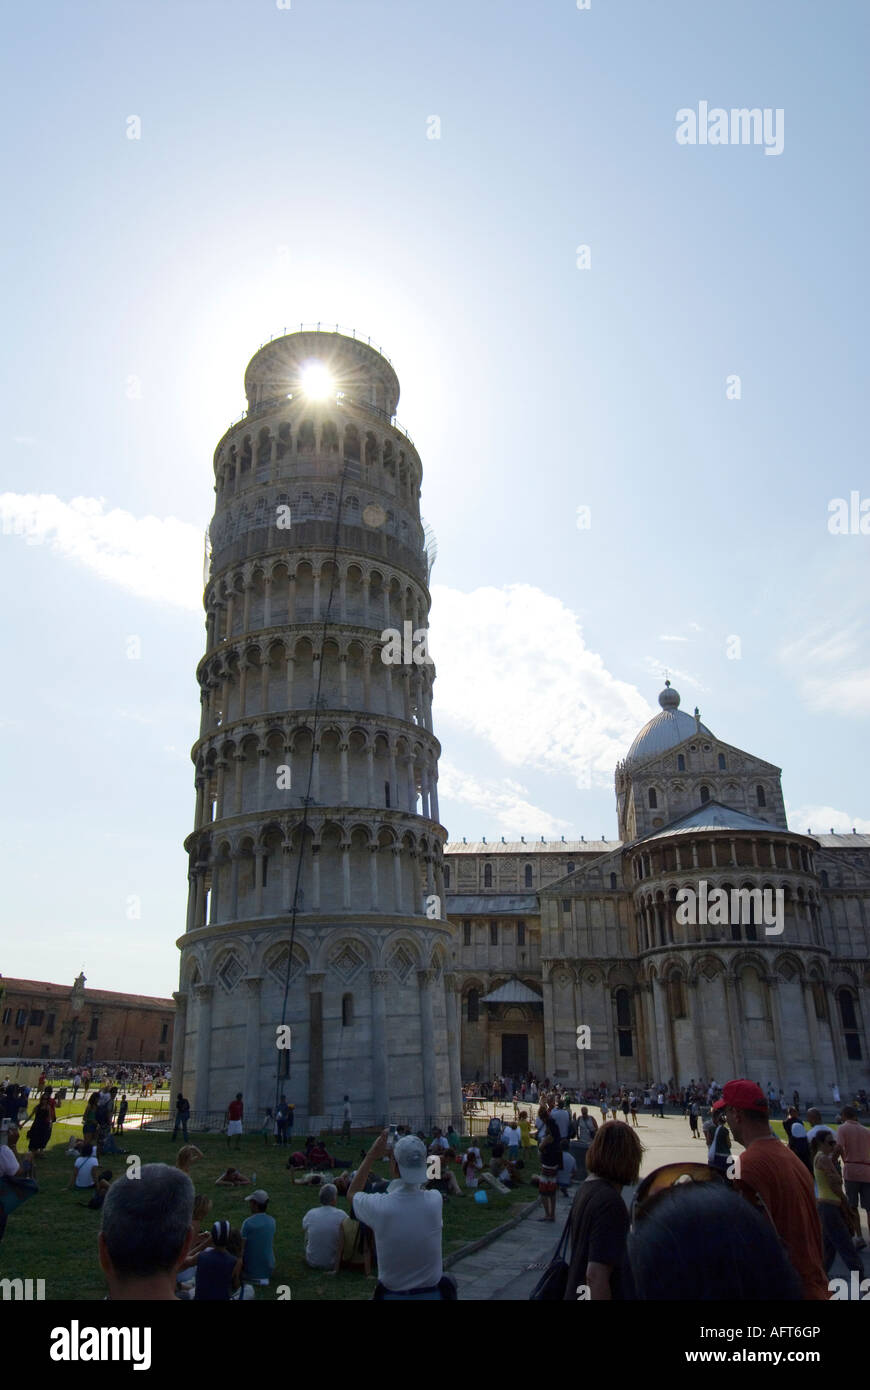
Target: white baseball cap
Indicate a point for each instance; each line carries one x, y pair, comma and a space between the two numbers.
410, 1156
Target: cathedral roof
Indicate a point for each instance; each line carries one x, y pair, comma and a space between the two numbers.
498, 904
666, 730
712, 816
513, 992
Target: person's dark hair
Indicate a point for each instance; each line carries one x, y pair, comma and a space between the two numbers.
220, 1233
498, 1150
87, 1150
615, 1153
849, 1112
705, 1242
145, 1221
238, 1095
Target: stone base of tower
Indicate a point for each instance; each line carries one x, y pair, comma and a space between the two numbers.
371, 1011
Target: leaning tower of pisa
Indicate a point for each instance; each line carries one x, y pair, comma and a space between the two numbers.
315, 864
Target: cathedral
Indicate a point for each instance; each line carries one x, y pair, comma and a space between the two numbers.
551, 938
336, 944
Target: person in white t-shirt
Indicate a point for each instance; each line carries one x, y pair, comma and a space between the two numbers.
85, 1168
510, 1137
322, 1227
406, 1221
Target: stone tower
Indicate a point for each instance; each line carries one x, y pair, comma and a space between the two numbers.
315, 863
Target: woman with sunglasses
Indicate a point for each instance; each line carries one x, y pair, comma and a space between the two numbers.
599, 1217
835, 1231
694, 1238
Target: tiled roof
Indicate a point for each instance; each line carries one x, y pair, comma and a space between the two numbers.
92, 996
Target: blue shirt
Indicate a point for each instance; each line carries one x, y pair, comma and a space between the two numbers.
259, 1258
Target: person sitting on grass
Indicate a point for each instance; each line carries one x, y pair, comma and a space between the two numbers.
84, 1169
259, 1235
102, 1183
318, 1156
189, 1154
218, 1272
231, 1177
453, 1139
145, 1234
302, 1158
321, 1227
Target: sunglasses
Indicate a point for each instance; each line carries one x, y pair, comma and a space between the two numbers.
672, 1175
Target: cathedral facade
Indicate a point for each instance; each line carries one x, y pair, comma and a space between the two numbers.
708, 940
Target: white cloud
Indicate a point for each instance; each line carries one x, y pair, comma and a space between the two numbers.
821, 818
156, 558
512, 664
501, 801
513, 669
831, 668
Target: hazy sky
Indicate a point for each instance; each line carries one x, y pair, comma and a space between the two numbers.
284, 172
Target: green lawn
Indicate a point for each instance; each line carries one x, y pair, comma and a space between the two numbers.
53, 1237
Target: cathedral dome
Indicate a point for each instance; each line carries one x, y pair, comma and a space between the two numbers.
665, 730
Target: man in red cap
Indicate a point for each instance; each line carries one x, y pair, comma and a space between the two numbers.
782, 1182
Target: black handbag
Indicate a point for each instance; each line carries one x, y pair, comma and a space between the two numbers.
552, 1284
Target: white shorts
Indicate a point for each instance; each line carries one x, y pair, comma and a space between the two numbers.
234, 1127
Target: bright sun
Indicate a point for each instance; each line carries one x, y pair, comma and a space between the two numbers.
316, 381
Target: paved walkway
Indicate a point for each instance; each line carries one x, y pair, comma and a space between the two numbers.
508, 1269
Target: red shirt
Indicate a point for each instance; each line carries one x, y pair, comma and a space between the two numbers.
787, 1190
235, 1110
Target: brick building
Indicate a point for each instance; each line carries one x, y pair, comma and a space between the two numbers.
83, 1025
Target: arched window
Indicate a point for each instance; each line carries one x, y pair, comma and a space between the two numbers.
521, 933
824, 876
473, 1006
613, 880
487, 875
570, 868
446, 875
705, 795
623, 1023
653, 800
493, 933
528, 872
721, 762
681, 763
849, 1021
346, 1010
760, 797
466, 933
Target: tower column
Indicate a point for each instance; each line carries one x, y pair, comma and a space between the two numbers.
203, 994
776, 1011
380, 1073
373, 876
425, 980
179, 1029
451, 987
813, 1037
315, 1044
252, 1047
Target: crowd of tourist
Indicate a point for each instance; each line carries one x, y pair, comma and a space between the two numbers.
767, 1222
